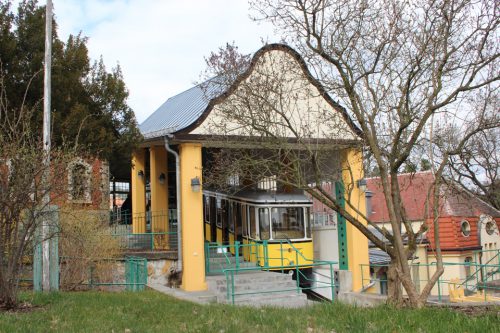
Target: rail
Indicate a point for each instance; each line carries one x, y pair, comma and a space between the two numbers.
150, 241
105, 272
480, 268
442, 282
158, 231
300, 276
227, 259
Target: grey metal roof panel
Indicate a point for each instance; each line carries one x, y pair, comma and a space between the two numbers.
268, 197
379, 257
181, 110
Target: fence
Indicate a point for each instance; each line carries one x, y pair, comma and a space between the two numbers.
476, 279
160, 235
128, 273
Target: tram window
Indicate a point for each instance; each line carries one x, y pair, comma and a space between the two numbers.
236, 218
206, 205
232, 215
219, 213
244, 222
288, 222
225, 209
253, 225
308, 224
264, 223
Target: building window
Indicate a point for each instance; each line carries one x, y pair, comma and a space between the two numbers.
79, 182
490, 228
468, 262
465, 228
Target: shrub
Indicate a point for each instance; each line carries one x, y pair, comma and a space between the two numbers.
85, 244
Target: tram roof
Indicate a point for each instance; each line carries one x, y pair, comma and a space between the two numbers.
266, 197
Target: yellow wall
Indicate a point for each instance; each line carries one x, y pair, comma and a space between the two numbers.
193, 254
138, 192
357, 243
159, 192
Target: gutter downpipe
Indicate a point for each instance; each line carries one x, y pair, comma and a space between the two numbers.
178, 194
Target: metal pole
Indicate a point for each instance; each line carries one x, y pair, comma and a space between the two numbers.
46, 143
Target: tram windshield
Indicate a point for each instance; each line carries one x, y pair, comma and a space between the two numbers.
287, 222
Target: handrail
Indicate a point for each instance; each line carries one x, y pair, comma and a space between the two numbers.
231, 295
481, 266
441, 280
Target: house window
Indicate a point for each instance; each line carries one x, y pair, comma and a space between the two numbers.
490, 228
79, 182
465, 228
468, 262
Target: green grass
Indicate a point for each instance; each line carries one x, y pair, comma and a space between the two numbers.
150, 311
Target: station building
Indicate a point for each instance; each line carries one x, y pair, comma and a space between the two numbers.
167, 168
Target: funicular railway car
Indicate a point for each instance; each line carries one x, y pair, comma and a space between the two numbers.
272, 228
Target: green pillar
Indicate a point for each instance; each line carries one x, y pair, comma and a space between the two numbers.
341, 227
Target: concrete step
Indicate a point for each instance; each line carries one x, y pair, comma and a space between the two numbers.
274, 299
264, 286
298, 303
259, 288
252, 277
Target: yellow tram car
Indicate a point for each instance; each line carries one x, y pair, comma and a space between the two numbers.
273, 228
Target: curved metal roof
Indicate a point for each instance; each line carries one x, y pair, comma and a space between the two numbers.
181, 110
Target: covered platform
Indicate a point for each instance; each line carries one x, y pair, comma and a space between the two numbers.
275, 105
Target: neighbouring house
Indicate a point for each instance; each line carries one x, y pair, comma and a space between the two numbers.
468, 228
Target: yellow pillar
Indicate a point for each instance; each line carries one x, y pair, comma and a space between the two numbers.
159, 196
159, 188
357, 243
193, 251
138, 191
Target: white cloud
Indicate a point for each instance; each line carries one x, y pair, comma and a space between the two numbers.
160, 45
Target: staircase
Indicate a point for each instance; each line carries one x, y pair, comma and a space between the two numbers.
218, 262
258, 288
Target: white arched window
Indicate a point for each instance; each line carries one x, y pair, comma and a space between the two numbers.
79, 181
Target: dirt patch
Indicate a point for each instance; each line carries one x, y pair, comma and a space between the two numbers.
476, 311
24, 307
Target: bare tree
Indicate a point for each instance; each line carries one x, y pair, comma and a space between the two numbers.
477, 167
395, 66
22, 187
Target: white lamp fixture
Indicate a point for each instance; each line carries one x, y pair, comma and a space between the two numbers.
195, 184
161, 179
361, 184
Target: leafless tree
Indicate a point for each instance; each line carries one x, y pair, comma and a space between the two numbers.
407, 73
477, 167
22, 187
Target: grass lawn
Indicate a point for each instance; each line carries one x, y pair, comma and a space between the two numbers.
150, 311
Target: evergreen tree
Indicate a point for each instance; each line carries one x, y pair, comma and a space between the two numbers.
89, 104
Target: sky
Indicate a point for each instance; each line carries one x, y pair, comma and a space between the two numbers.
159, 44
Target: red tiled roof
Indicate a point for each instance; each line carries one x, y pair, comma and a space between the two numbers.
414, 188
454, 201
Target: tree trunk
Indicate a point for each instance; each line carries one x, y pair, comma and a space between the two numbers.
394, 289
7, 295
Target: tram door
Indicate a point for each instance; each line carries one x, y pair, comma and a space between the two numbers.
225, 221
213, 217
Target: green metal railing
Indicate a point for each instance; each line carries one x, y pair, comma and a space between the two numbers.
160, 231
220, 257
300, 276
471, 283
229, 263
150, 241
486, 273
134, 278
